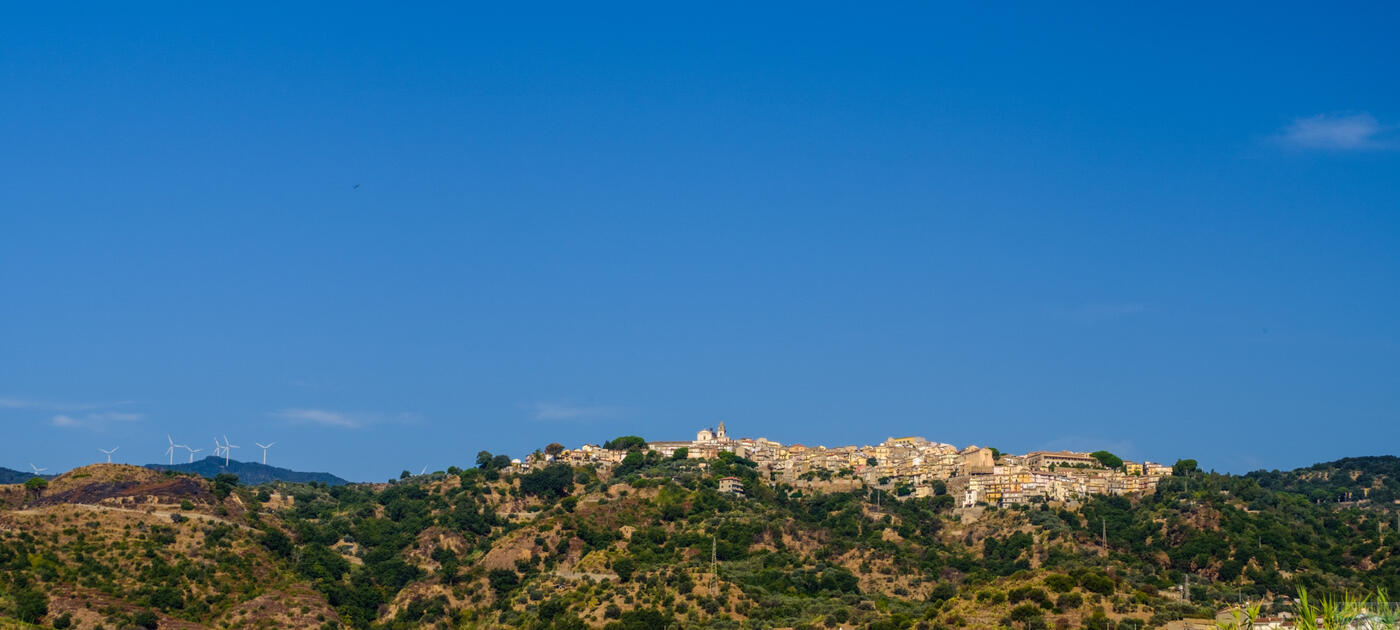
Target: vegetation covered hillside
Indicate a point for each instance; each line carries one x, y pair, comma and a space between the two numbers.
13, 476
1373, 479
250, 473
654, 543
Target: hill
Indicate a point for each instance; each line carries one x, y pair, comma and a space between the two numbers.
656, 544
113, 545
1373, 479
250, 473
13, 476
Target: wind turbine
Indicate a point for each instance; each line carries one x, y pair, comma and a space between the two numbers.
423, 472
109, 453
227, 446
192, 452
218, 450
171, 449
264, 447
37, 469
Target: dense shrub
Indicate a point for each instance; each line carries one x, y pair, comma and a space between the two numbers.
31, 605
552, 481
1059, 582
1097, 583
503, 581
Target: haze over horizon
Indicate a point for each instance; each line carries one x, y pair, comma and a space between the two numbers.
390, 240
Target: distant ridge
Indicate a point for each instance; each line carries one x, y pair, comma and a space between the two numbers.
250, 473
13, 476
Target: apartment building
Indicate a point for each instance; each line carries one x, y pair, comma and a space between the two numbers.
731, 486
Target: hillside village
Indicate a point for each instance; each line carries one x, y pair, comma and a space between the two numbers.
662, 539
906, 467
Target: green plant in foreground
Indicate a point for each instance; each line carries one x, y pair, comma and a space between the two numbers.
1329, 613
1387, 614
1243, 618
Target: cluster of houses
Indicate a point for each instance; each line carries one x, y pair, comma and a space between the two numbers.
912, 467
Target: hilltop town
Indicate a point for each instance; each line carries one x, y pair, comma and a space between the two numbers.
711, 533
906, 467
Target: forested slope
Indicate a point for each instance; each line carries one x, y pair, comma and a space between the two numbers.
655, 544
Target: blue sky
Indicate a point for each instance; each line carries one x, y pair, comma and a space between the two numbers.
393, 238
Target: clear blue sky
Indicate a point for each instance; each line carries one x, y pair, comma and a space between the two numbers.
1169, 232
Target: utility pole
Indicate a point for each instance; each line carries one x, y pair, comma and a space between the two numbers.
1104, 523
1186, 587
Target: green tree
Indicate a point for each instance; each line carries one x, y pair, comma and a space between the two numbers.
1100, 584
448, 565
277, 543
167, 598
31, 605
944, 591
1098, 621
1025, 614
632, 462
1059, 582
680, 453
503, 581
552, 608
553, 449
145, 619
224, 483
642, 619
1109, 460
552, 481
36, 485
624, 567
1184, 467
625, 443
